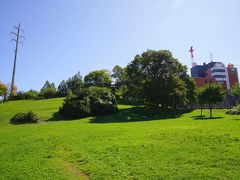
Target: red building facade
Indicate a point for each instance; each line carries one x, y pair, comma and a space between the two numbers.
215, 72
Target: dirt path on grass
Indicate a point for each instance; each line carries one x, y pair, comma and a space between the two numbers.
74, 170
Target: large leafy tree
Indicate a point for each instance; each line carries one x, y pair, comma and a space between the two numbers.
210, 94
75, 83
159, 79
236, 92
100, 78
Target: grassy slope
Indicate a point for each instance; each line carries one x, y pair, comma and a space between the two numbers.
131, 144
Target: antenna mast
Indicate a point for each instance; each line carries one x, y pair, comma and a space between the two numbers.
211, 57
192, 56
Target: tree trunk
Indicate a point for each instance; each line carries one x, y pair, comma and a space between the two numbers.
210, 108
201, 110
5, 97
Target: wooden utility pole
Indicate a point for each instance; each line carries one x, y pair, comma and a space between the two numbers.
17, 40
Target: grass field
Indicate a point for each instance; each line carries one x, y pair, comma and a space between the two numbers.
133, 144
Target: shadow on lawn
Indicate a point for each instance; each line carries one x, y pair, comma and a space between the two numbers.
58, 117
133, 114
204, 117
136, 114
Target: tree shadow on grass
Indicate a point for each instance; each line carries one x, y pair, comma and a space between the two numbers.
58, 117
204, 117
136, 114
133, 114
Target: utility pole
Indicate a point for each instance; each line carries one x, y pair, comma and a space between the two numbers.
17, 40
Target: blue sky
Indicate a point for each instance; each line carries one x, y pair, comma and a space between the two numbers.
67, 36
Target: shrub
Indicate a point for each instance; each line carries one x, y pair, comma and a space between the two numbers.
102, 101
30, 95
74, 107
90, 101
21, 118
234, 110
49, 93
19, 96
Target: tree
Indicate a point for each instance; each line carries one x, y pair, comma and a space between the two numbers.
48, 91
200, 98
100, 78
47, 84
3, 91
89, 101
75, 83
119, 74
62, 89
236, 92
211, 94
191, 89
20, 95
31, 94
120, 88
159, 79
13, 93
102, 101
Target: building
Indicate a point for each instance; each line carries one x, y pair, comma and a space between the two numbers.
215, 72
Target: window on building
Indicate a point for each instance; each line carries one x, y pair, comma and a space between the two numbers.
219, 76
218, 70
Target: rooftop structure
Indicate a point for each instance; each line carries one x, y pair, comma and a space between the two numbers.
215, 72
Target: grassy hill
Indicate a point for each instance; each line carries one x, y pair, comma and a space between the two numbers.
133, 144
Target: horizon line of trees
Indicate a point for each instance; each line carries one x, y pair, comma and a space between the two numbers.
154, 77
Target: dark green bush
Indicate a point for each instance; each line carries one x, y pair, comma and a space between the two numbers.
75, 107
48, 93
102, 101
30, 95
22, 118
234, 110
90, 101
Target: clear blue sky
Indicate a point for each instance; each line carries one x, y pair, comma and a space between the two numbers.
67, 36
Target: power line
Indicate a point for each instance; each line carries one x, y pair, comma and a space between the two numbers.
17, 39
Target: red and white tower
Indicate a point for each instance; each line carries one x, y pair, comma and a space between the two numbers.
191, 50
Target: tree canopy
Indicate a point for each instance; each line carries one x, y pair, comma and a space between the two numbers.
75, 83
62, 90
100, 78
89, 101
159, 79
48, 90
210, 94
3, 90
236, 92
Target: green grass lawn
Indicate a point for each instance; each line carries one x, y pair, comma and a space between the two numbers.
133, 144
